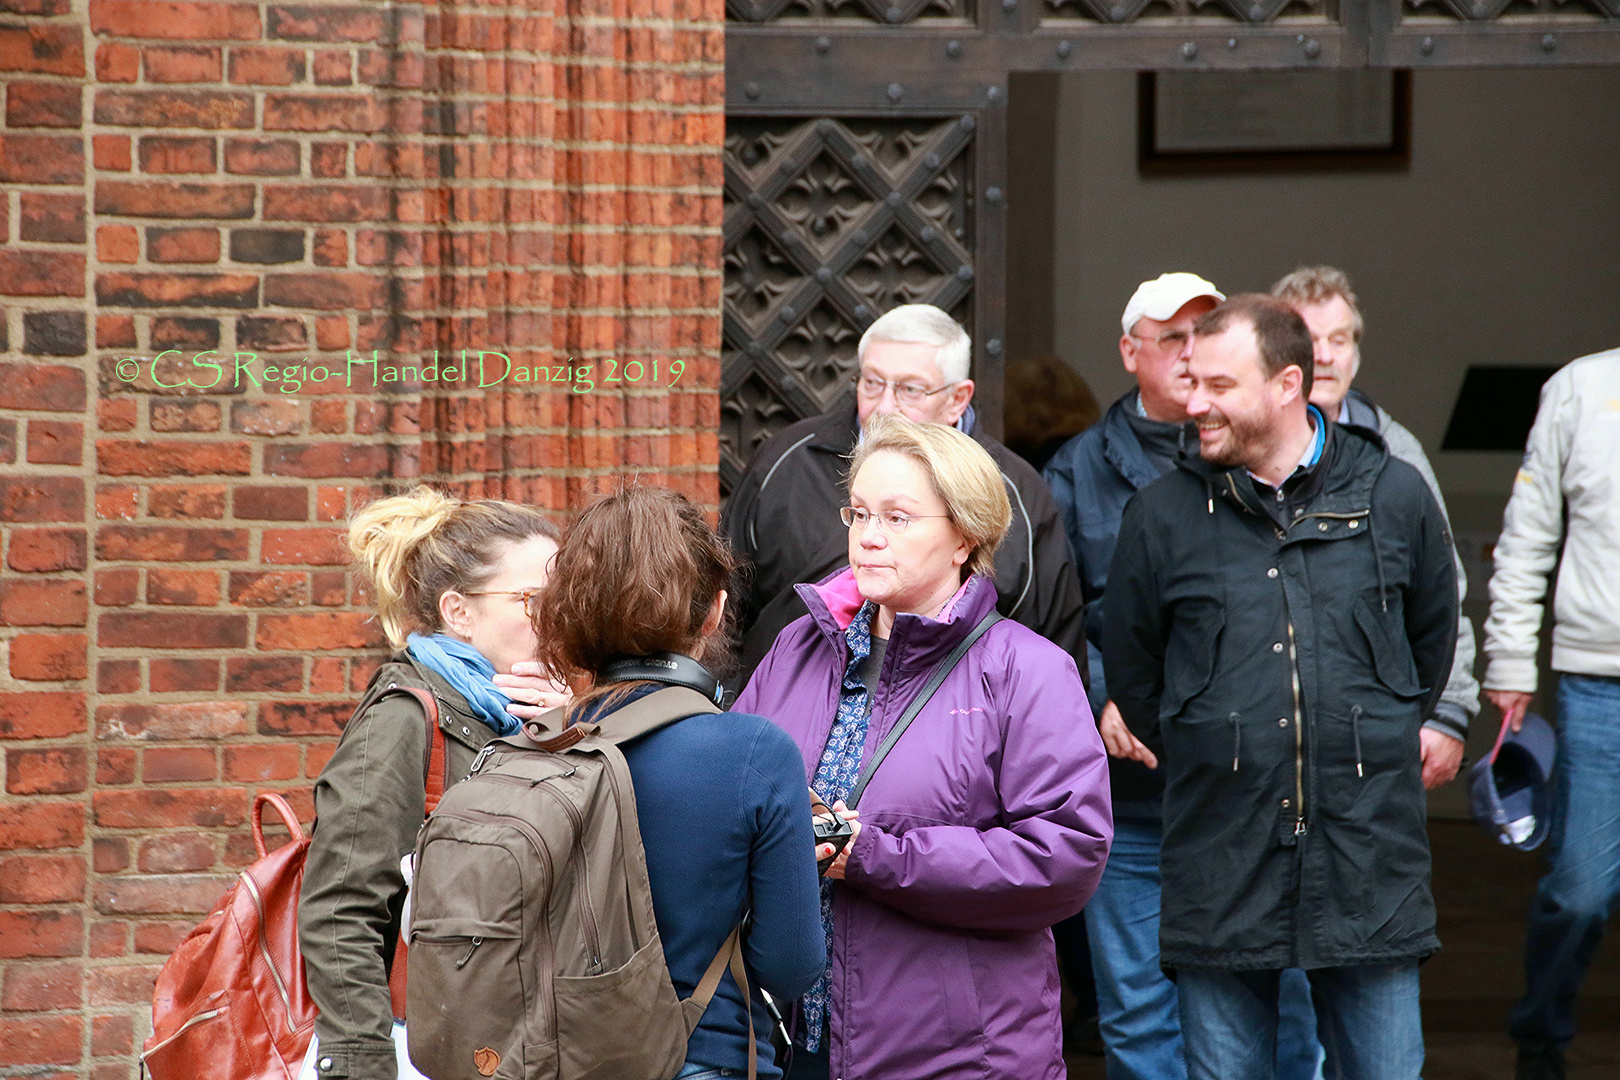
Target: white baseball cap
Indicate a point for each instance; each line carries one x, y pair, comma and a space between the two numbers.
1165, 295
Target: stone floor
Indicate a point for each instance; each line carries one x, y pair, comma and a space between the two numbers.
1483, 891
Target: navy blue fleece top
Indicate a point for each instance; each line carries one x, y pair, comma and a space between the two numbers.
725, 815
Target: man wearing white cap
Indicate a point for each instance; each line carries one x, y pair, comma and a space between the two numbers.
1092, 477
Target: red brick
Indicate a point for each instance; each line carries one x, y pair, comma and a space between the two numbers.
41, 273
317, 460
175, 19
41, 498
109, 854
41, 826
49, 657
267, 67
118, 244
171, 543
258, 764
326, 675
252, 503
187, 500
51, 218
123, 985
329, 161
170, 675
166, 894
277, 416
55, 442
326, 202
58, 770
118, 676
334, 67
175, 853
112, 152
176, 630
331, 248
119, 457
41, 159
169, 199
43, 1040
182, 245
305, 547
185, 332
178, 154
36, 7
328, 417
332, 332
43, 387
329, 23
117, 63
330, 588
317, 631
42, 987
180, 414
316, 758
41, 714
47, 551
43, 49
160, 937
8, 440
39, 104
181, 720
262, 157
192, 588
109, 938
114, 331
182, 64
279, 589
263, 674
43, 603
110, 1035
115, 766
168, 764
177, 290
302, 718
42, 879
117, 587
149, 808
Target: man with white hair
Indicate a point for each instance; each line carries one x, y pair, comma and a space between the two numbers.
783, 516
1323, 298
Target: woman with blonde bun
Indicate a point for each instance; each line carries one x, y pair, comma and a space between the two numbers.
454, 584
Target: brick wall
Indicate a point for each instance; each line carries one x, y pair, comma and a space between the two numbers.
306, 184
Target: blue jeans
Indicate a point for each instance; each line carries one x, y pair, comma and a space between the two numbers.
1367, 1017
1578, 895
694, 1071
1137, 1007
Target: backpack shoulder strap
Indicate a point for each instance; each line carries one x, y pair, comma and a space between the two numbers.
642, 716
730, 955
936, 679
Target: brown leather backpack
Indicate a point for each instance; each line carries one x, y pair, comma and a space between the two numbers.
534, 950
231, 1002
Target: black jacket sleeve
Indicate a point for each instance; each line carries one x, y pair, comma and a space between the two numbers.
735, 518
1054, 604
1134, 630
1431, 597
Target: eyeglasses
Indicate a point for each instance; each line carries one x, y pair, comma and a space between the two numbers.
890, 521
530, 596
1169, 341
910, 393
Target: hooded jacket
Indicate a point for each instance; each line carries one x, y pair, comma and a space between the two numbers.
782, 518
1281, 655
987, 823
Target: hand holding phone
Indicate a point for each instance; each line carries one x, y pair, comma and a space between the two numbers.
830, 828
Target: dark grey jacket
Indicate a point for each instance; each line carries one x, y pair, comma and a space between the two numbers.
1282, 657
783, 520
369, 803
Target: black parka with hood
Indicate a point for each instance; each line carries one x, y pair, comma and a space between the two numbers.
1281, 653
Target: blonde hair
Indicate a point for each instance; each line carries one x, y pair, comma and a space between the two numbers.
414, 548
1315, 284
961, 472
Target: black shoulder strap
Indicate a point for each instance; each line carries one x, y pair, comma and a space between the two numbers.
936, 678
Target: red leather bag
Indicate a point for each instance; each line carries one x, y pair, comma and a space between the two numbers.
231, 1002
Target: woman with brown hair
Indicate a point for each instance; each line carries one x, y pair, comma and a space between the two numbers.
639, 588
454, 583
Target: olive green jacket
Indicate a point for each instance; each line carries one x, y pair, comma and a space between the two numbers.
369, 803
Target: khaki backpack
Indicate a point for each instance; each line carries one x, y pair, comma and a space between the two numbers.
534, 951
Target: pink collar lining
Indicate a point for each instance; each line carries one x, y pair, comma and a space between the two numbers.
843, 599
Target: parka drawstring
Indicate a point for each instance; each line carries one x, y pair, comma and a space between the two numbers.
1355, 728
1237, 739
1209, 493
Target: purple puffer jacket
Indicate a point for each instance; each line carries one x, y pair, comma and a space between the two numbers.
987, 823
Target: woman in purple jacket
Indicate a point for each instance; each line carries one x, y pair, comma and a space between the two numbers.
988, 821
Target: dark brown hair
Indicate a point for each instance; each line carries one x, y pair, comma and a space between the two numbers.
1282, 335
637, 574
414, 548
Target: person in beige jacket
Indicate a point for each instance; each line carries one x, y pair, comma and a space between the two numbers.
1566, 506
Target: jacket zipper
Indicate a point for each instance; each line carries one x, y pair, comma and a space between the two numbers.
473, 942
196, 1019
592, 938
1299, 737
547, 960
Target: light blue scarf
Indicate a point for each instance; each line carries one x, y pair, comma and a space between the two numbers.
466, 669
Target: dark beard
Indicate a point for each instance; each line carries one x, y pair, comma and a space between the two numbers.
1245, 442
